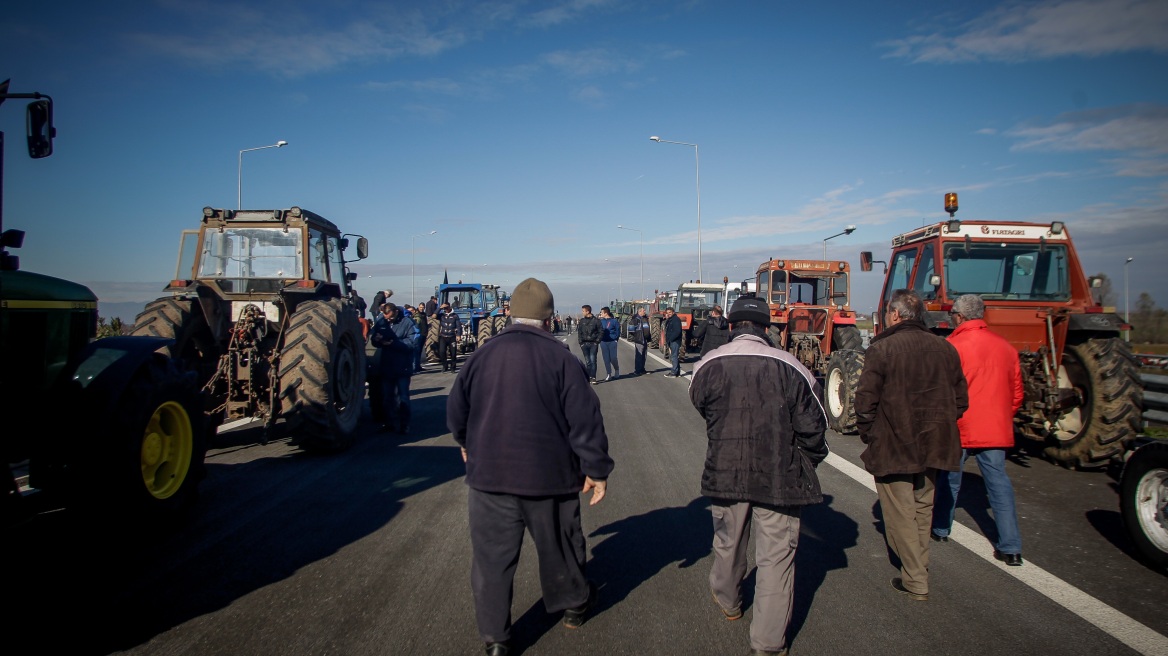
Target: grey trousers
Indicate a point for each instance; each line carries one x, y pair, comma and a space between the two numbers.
497, 522
776, 536
906, 501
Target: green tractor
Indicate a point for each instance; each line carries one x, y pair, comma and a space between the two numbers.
135, 450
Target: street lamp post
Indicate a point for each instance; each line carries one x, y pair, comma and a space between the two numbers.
698, 183
413, 290
641, 236
847, 231
239, 186
1126, 301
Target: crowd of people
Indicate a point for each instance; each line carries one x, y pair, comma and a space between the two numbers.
924, 405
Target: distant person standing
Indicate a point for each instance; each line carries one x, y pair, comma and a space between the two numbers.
423, 328
610, 330
396, 335
449, 332
380, 299
908, 401
358, 303
717, 331
639, 333
529, 454
588, 332
432, 306
994, 376
672, 330
568, 323
764, 425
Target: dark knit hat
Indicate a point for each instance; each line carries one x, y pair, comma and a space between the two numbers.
750, 309
532, 300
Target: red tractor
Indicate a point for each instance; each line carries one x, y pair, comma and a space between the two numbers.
811, 319
1083, 394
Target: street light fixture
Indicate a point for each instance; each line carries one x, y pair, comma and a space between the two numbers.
413, 290
1126, 301
642, 239
847, 231
698, 182
239, 187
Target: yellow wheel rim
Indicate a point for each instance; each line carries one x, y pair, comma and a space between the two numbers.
167, 447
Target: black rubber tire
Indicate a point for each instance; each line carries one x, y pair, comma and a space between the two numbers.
776, 333
839, 390
150, 454
430, 346
846, 338
322, 376
655, 332
486, 330
182, 320
1143, 502
1105, 374
500, 323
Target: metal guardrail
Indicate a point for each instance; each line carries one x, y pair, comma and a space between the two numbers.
1152, 360
1155, 398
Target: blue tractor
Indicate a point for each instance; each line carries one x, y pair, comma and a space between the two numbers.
479, 306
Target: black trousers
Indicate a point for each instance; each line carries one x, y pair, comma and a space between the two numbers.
448, 345
497, 522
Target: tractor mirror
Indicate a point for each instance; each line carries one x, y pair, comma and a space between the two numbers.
865, 260
12, 239
351, 276
362, 248
40, 128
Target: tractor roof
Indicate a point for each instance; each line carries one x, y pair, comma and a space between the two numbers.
292, 216
986, 231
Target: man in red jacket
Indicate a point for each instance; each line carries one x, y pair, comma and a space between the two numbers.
994, 377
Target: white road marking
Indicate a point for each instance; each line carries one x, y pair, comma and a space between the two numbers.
1138, 636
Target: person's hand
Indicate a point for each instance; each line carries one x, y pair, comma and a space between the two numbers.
464, 454
598, 489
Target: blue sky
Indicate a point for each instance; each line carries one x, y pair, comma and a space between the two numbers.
519, 131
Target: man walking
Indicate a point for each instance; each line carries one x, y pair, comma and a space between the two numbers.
672, 330
765, 425
994, 376
449, 331
610, 329
910, 396
639, 332
395, 334
588, 331
528, 474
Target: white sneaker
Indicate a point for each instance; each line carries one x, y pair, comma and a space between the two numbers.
608, 379
670, 375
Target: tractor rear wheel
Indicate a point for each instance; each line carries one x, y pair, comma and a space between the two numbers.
1104, 376
430, 347
182, 320
500, 323
1143, 501
839, 390
322, 376
654, 332
486, 330
846, 338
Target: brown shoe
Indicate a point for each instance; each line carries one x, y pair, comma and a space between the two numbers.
898, 585
731, 614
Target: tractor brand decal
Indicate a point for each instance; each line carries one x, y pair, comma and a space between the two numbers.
807, 265
1101, 321
1004, 233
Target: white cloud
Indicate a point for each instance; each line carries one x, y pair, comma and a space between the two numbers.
1131, 128
1045, 30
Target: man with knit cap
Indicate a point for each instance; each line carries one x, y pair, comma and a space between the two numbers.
764, 426
533, 439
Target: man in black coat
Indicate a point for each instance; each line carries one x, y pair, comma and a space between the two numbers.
588, 331
765, 425
672, 330
533, 439
716, 331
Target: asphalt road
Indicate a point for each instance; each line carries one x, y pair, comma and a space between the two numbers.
366, 552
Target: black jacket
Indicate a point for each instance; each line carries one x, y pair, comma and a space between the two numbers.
588, 330
764, 423
715, 332
449, 325
378, 301
672, 329
530, 422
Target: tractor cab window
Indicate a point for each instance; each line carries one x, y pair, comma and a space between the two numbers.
899, 271
317, 255
839, 289
491, 298
763, 286
778, 287
694, 298
236, 255
336, 263
1007, 271
925, 271
808, 290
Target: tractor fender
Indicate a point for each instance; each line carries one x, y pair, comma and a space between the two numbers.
1095, 322
100, 372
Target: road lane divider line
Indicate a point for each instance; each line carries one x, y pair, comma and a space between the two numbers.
1130, 632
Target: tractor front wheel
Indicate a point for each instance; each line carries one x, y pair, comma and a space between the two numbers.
1104, 377
839, 390
1143, 501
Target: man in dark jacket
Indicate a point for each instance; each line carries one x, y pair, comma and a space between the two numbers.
760, 466
716, 331
639, 333
533, 439
449, 332
395, 335
672, 330
432, 306
589, 332
380, 299
911, 393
